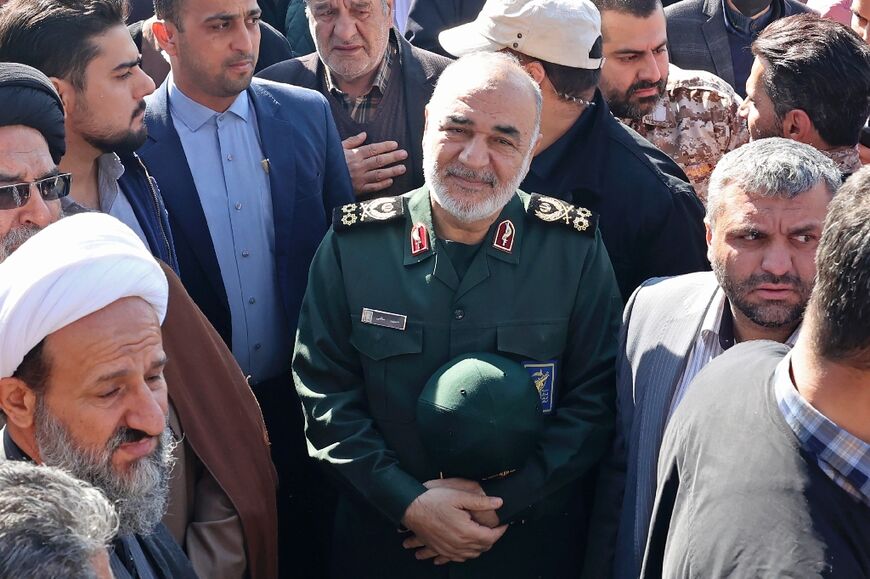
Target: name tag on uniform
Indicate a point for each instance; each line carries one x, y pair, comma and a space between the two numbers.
384, 319
544, 377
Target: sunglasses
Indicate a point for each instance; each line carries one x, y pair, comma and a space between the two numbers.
50, 188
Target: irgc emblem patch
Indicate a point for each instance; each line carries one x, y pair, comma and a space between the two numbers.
543, 376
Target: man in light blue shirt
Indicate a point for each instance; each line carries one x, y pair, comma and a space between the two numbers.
250, 171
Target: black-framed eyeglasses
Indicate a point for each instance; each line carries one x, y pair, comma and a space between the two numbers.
51, 189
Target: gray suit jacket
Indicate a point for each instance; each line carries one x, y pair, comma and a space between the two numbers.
660, 324
697, 39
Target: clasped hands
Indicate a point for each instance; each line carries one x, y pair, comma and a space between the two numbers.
452, 521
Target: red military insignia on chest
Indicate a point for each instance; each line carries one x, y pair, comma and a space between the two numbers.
419, 239
504, 236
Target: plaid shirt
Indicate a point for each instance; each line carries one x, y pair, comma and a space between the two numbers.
362, 109
843, 457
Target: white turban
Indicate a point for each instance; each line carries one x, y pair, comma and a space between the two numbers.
67, 271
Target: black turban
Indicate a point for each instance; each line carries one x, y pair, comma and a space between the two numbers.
28, 98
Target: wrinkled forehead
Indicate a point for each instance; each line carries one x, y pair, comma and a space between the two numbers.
498, 102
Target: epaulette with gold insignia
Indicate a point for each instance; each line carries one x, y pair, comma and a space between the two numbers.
374, 211
553, 210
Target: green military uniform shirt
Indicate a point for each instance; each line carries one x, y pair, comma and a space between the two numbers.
384, 309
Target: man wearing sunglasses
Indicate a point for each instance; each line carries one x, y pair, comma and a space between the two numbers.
31, 145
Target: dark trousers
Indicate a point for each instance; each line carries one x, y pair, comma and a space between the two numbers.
306, 499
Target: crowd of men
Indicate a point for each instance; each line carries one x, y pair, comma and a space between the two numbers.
379, 288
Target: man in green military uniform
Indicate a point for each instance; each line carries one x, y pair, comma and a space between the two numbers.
465, 264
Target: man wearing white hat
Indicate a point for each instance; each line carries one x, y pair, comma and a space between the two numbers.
81, 376
650, 219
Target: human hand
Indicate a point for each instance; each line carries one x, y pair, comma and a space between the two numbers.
485, 518
443, 527
369, 164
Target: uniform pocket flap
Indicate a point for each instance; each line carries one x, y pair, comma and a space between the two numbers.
540, 342
379, 343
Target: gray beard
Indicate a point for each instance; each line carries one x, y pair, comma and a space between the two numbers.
15, 238
140, 496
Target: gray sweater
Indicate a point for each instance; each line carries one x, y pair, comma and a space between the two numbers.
737, 496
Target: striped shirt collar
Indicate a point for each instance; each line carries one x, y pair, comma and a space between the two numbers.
843, 457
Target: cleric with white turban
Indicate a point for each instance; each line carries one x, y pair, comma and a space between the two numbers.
67, 271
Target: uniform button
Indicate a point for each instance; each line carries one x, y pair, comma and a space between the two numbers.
238, 206
221, 119
229, 157
252, 301
258, 346
459, 313
245, 253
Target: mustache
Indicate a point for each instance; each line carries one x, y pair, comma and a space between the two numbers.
126, 435
247, 58
644, 84
758, 279
462, 171
140, 108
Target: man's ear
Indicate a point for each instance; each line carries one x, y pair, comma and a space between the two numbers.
67, 93
18, 401
797, 126
536, 71
167, 36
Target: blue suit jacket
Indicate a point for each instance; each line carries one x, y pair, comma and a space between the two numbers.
308, 178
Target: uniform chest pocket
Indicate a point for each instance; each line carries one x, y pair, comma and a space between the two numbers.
389, 360
538, 347
540, 342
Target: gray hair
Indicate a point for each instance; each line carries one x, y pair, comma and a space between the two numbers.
481, 69
773, 167
839, 308
51, 525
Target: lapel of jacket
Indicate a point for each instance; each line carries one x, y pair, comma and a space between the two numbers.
277, 139
717, 40
657, 375
169, 166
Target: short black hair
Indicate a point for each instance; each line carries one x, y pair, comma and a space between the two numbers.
821, 67
34, 369
569, 82
839, 308
638, 8
55, 36
168, 10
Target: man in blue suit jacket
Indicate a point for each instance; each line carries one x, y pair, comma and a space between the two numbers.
250, 172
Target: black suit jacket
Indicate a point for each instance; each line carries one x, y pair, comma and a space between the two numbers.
697, 39
420, 71
426, 19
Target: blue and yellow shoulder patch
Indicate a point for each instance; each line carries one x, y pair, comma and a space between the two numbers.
373, 211
552, 210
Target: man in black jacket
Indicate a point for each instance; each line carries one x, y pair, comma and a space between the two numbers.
87, 52
377, 85
650, 219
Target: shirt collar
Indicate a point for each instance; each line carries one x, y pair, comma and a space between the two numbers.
736, 21
381, 78
841, 452
195, 115
12, 450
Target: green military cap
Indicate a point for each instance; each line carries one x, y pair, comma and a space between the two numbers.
479, 416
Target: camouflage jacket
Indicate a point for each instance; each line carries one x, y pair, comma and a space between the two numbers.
846, 159
695, 123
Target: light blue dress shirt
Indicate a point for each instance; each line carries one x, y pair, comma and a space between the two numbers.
226, 160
